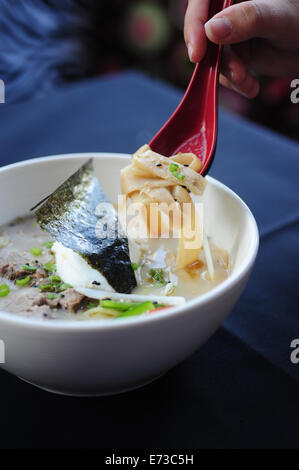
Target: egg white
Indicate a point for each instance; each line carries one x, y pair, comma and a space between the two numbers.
74, 270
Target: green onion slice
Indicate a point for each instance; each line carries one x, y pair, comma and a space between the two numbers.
24, 281
122, 306
4, 290
173, 168
55, 279
63, 286
92, 305
158, 276
49, 267
46, 287
48, 245
141, 308
36, 251
30, 269
52, 296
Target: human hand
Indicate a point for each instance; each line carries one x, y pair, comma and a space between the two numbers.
260, 37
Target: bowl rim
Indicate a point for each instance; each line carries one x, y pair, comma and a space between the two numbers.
110, 324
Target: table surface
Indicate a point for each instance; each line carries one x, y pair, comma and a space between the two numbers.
240, 389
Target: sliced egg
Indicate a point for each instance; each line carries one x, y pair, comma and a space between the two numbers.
74, 270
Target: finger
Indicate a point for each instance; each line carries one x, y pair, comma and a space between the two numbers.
249, 19
236, 75
194, 31
228, 84
225, 82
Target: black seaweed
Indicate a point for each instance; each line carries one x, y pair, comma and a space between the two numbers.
71, 214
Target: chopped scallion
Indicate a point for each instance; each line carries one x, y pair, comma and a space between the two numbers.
63, 286
36, 251
4, 290
48, 245
49, 267
55, 279
23, 282
173, 168
158, 276
30, 269
91, 305
46, 287
52, 296
141, 308
123, 306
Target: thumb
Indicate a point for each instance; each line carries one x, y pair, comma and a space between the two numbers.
247, 20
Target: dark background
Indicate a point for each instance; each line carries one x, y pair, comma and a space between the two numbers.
48, 43
240, 390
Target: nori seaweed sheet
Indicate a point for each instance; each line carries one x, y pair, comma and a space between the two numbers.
70, 216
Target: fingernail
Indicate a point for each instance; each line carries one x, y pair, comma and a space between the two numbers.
219, 27
190, 51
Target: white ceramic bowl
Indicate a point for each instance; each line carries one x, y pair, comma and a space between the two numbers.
102, 357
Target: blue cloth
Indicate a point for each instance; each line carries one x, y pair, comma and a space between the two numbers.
44, 43
240, 389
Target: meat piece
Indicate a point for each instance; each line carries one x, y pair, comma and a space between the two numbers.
40, 273
71, 300
12, 266
36, 297
14, 271
32, 300
53, 303
3, 268
68, 300
29, 302
35, 303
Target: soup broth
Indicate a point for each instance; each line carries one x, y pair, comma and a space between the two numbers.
27, 267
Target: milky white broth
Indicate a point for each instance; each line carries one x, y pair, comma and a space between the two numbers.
24, 234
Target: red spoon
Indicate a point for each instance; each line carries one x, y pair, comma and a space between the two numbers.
193, 125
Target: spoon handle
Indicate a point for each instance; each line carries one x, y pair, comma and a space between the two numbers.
193, 125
